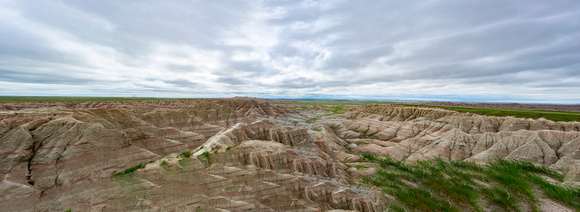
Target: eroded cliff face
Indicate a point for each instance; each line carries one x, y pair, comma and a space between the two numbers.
57, 158
424, 133
258, 167
246, 155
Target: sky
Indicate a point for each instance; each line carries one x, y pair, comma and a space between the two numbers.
525, 51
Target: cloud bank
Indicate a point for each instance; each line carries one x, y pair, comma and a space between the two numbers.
488, 50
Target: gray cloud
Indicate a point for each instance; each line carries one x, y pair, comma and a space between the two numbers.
514, 50
180, 68
42, 78
181, 82
299, 82
231, 80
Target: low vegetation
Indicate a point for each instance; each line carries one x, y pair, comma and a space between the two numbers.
205, 158
302, 108
534, 114
334, 110
132, 169
365, 133
186, 154
440, 185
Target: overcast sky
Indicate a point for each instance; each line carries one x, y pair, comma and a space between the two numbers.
488, 50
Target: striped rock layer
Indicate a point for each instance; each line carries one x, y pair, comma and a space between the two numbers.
425, 133
256, 167
60, 159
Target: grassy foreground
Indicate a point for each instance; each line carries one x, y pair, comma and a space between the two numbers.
439, 185
71, 99
534, 114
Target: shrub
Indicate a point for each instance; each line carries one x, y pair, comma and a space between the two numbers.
132, 169
185, 154
205, 158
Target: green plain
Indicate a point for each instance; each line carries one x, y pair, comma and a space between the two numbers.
534, 114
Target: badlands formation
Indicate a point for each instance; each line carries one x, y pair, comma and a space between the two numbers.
240, 154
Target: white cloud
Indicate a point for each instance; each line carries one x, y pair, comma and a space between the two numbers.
486, 50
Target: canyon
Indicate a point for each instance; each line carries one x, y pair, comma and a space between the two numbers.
244, 154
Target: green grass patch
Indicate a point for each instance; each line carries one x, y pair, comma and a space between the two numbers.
132, 169
186, 154
73, 99
567, 195
455, 185
334, 110
338, 109
205, 158
360, 167
501, 197
310, 121
534, 114
302, 108
360, 143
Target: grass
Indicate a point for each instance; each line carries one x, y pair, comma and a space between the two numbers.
534, 114
132, 169
501, 197
458, 185
205, 158
359, 143
302, 108
310, 121
186, 154
567, 195
72, 99
360, 167
338, 109
334, 110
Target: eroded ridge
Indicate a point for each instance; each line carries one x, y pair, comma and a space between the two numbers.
259, 166
425, 133
56, 158
244, 154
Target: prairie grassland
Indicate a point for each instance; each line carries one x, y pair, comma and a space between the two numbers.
534, 114
439, 185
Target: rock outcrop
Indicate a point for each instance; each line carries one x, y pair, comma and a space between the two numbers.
425, 133
242, 154
59, 158
259, 167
